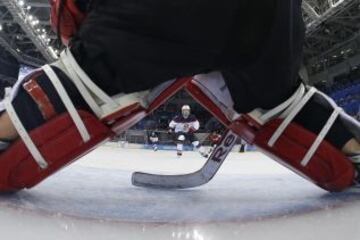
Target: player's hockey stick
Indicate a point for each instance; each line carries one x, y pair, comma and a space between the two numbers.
200, 177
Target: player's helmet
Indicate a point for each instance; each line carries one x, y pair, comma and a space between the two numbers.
185, 111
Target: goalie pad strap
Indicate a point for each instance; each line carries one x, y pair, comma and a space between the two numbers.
320, 137
67, 102
31, 147
47, 110
291, 116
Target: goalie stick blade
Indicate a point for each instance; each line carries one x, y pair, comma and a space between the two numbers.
195, 179
167, 181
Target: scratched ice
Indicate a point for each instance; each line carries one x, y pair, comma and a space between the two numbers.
251, 197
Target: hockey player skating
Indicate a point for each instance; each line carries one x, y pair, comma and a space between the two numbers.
242, 146
118, 68
184, 126
214, 139
154, 139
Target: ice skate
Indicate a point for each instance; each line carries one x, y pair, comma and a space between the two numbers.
202, 150
205, 154
155, 148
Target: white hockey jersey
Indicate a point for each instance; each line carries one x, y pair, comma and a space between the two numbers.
154, 139
181, 124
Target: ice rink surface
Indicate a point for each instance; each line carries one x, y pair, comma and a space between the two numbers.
251, 197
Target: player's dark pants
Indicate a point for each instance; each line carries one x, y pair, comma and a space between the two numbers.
127, 45
188, 137
132, 45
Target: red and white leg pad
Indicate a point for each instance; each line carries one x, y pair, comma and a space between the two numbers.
328, 167
66, 137
59, 142
297, 148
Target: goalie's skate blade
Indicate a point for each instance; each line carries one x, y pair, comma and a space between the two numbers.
195, 179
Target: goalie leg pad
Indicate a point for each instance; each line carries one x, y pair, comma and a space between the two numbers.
328, 167
58, 141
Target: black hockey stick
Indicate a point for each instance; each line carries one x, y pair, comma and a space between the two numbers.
200, 177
